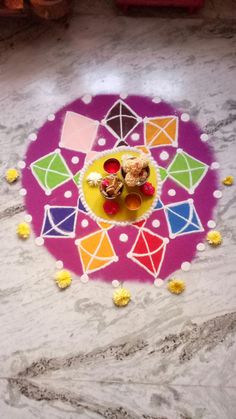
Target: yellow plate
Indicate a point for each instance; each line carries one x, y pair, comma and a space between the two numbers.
93, 200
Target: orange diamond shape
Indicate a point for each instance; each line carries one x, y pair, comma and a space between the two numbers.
161, 131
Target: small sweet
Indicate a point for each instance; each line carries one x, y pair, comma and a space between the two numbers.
176, 286
63, 279
23, 230
131, 180
111, 187
143, 175
111, 207
121, 297
228, 180
214, 238
11, 175
147, 189
135, 169
94, 178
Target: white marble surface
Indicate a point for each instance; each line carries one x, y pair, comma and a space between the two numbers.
72, 354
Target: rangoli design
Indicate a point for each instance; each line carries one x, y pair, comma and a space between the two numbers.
68, 215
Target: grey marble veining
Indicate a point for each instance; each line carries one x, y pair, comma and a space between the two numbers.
73, 354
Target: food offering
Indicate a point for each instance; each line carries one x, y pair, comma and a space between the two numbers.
128, 177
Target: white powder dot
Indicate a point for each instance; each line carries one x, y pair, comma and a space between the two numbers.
158, 282
87, 99
84, 278
164, 155
39, 241
123, 238
59, 264
51, 117
156, 223
185, 266
204, 137
84, 223
23, 192
156, 99
185, 117
211, 224
115, 283
135, 136
28, 218
217, 194
68, 194
21, 164
123, 95
48, 193
201, 247
33, 136
101, 141
215, 165
75, 160
171, 192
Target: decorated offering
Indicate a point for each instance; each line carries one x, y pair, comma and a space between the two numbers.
111, 187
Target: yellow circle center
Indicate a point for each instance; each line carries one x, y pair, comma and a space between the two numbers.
95, 200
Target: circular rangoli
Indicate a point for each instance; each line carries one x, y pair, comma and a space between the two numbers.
67, 216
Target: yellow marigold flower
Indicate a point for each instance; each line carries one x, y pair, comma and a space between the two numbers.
214, 238
63, 279
23, 230
121, 297
176, 286
11, 175
228, 180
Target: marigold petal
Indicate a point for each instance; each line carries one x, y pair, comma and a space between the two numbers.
121, 297
63, 279
11, 175
23, 230
176, 286
228, 180
214, 238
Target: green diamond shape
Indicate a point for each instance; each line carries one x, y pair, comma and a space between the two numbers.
51, 171
163, 173
76, 178
187, 171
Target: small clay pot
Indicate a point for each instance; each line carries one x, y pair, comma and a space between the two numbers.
101, 188
133, 201
111, 166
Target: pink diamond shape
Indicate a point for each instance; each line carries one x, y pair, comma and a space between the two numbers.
78, 132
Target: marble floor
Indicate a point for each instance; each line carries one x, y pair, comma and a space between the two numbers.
73, 355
